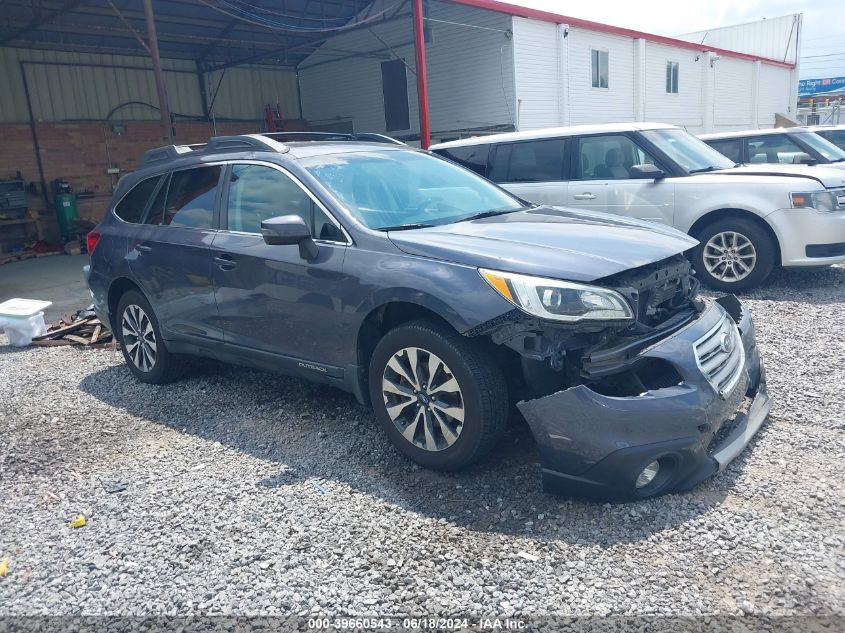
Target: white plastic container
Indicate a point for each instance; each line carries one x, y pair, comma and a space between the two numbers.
23, 320
21, 330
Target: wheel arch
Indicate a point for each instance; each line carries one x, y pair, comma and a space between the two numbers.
117, 289
380, 320
726, 213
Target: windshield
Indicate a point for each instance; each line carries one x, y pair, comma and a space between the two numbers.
824, 147
691, 153
406, 189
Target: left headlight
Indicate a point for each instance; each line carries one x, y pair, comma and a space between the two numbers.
819, 200
559, 300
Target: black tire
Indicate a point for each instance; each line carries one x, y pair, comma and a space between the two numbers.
164, 367
763, 247
482, 393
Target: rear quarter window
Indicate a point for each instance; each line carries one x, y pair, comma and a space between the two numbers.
132, 205
732, 148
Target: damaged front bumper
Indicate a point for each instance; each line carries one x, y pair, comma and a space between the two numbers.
597, 445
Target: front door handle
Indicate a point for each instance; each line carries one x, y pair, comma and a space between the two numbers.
584, 196
143, 247
225, 262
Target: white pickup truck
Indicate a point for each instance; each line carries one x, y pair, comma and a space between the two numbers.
748, 219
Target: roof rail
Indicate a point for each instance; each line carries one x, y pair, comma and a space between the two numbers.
332, 136
215, 145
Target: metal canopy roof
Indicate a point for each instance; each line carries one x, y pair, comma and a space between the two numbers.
214, 33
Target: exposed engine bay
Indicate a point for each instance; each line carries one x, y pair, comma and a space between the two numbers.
605, 355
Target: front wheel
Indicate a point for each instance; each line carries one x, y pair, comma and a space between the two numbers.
734, 255
439, 396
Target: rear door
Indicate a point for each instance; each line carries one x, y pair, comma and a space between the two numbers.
170, 257
269, 298
533, 169
601, 179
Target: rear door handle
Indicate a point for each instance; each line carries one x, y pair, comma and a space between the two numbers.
225, 262
584, 196
143, 247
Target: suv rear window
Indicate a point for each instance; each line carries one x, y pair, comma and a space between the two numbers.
132, 206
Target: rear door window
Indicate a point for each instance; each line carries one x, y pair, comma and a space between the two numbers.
131, 207
529, 161
472, 157
774, 148
191, 197
258, 193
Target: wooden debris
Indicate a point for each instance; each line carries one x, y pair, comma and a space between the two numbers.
82, 328
48, 343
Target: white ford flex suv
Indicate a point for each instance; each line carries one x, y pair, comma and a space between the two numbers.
747, 219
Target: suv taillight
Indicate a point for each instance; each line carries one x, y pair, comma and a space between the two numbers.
92, 238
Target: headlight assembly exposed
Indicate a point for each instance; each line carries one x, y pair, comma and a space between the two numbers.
558, 300
819, 200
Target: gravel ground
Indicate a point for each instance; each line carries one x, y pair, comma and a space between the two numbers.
249, 493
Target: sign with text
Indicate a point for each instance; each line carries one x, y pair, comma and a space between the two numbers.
810, 87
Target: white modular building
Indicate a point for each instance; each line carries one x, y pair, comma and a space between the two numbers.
495, 67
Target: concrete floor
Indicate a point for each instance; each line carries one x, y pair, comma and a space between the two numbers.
58, 278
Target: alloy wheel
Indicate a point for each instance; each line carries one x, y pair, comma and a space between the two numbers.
729, 256
423, 399
139, 337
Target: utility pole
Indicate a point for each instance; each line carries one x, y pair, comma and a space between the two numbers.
164, 106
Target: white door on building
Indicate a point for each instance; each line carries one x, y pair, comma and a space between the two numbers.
601, 180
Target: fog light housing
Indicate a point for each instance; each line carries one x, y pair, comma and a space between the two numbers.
647, 475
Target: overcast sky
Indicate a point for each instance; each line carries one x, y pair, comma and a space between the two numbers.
823, 49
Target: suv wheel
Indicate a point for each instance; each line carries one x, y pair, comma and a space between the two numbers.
733, 255
141, 342
439, 396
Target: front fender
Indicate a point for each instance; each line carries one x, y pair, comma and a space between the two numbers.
455, 292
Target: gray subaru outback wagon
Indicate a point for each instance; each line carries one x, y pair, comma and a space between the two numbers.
439, 299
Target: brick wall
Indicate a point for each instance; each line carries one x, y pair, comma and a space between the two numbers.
80, 153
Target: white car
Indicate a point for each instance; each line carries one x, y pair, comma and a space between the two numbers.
833, 133
780, 146
747, 219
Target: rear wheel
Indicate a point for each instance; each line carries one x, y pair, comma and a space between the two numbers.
141, 341
439, 396
734, 254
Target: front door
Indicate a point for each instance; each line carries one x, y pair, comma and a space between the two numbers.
601, 180
270, 299
170, 257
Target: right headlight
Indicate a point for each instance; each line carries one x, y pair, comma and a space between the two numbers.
559, 300
819, 200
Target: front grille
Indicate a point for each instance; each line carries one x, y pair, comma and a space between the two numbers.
721, 356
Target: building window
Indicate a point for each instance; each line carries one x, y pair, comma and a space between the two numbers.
672, 77
599, 61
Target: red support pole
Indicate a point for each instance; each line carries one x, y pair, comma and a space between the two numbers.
422, 81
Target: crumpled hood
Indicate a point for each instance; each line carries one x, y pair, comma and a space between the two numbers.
549, 242
831, 176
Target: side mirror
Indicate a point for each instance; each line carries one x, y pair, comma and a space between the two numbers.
803, 158
646, 171
289, 229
